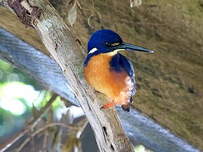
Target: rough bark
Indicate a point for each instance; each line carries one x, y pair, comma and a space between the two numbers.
62, 45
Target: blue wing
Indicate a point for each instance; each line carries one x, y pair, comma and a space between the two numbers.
120, 63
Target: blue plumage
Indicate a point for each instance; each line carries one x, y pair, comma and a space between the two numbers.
119, 63
103, 39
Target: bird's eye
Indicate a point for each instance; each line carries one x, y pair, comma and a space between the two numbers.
112, 44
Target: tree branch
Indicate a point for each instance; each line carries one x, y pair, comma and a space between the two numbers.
62, 45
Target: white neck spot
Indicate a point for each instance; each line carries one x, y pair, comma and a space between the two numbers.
92, 50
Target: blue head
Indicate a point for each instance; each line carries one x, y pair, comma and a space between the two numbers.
106, 41
103, 39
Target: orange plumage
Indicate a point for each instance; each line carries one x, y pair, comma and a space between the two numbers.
113, 84
108, 71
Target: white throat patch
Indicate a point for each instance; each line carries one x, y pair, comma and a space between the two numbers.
114, 52
92, 50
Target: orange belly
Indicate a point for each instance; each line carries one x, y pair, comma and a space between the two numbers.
113, 84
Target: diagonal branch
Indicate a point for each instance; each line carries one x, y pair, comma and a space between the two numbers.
62, 45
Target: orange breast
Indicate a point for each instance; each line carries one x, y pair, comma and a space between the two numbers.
103, 79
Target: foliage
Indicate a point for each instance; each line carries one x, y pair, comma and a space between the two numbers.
9, 73
17, 97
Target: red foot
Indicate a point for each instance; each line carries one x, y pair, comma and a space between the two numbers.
108, 105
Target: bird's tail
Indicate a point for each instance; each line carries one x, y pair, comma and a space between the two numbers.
126, 107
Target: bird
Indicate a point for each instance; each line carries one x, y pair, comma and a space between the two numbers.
108, 71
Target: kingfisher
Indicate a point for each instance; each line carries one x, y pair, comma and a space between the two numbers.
108, 71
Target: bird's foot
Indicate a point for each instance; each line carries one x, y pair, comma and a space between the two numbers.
108, 105
126, 107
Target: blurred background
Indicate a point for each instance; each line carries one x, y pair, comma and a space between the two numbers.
21, 97
169, 82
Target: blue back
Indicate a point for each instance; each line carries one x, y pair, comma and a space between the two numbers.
120, 63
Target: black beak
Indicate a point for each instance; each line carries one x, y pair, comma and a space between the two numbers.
131, 47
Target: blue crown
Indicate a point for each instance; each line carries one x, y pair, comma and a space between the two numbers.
103, 39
